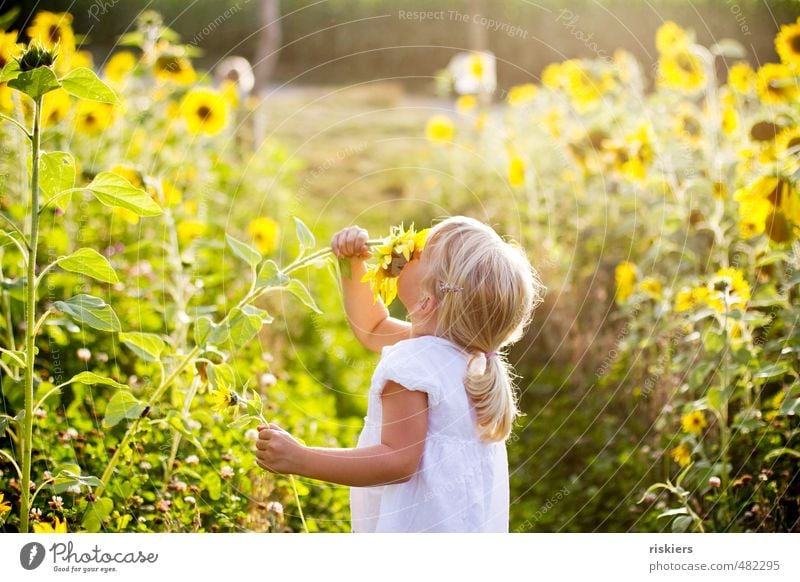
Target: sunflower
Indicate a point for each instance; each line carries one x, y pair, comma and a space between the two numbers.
466, 103
55, 107
625, 280
396, 250
693, 422
119, 66
92, 117
174, 68
651, 287
188, 230
130, 174
440, 129
53, 31
516, 171
774, 202
689, 126
204, 111
681, 70
222, 399
787, 43
690, 298
5, 506
521, 94
6, 99
58, 526
742, 78
776, 84
788, 141
585, 84
681, 454
266, 234
79, 59
728, 288
669, 36
753, 215
473, 73
9, 47
128, 216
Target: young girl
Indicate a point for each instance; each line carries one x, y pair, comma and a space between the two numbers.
432, 455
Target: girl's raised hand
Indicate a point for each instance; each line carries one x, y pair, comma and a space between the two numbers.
351, 243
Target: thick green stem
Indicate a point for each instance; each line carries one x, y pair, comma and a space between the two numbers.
30, 320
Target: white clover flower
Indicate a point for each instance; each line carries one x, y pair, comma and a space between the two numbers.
192, 460
226, 472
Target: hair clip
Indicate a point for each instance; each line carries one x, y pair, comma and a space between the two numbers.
445, 287
490, 355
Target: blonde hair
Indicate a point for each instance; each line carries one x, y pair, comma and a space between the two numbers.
497, 292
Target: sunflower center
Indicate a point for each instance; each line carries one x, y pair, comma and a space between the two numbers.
692, 126
397, 264
795, 44
685, 62
204, 112
54, 33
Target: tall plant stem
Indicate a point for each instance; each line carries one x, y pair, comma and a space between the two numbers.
30, 319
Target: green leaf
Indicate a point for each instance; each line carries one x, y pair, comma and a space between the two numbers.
213, 485
35, 83
91, 311
84, 84
270, 275
121, 406
772, 371
345, 267
791, 407
244, 324
10, 71
96, 512
675, 511
69, 475
244, 251
299, 290
781, 451
203, 325
114, 190
7, 19
90, 378
147, 346
90, 263
681, 524
56, 174
304, 235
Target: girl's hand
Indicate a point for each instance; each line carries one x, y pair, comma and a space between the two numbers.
277, 451
351, 243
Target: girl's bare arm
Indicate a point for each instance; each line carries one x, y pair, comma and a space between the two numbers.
371, 323
395, 460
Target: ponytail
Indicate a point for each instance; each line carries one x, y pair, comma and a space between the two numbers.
491, 390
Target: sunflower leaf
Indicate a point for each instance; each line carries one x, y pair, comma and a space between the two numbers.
244, 251
84, 84
299, 290
90, 263
91, 311
35, 83
304, 235
114, 190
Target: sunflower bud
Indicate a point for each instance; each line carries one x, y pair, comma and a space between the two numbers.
36, 56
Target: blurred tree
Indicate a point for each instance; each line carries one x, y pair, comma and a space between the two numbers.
269, 43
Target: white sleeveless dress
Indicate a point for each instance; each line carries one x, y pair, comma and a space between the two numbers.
461, 484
